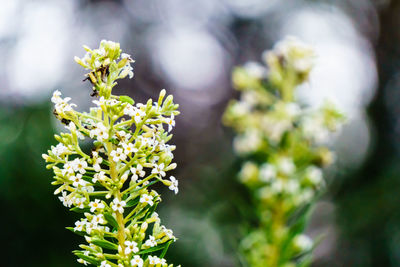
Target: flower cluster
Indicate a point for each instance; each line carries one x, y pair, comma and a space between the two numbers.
110, 184
282, 144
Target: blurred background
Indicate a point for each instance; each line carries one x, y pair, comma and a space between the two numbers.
190, 48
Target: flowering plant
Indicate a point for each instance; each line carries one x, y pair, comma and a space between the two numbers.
281, 144
110, 185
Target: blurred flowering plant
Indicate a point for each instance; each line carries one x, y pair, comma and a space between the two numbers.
110, 185
281, 144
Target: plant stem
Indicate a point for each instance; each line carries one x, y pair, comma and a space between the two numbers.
120, 216
117, 194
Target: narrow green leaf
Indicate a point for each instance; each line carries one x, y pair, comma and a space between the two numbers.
104, 243
157, 248
140, 188
132, 202
76, 232
87, 178
89, 259
79, 210
165, 249
151, 210
111, 220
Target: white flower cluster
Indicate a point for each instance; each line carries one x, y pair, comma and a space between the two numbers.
294, 53
104, 55
280, 141
110, 184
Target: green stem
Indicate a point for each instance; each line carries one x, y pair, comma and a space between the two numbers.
117, 194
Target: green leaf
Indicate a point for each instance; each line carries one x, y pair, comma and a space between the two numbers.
157, 248
104, 243
165, 249
126, 99
87, 178
79, 210
111, 220
132, 202
89, 259
76, 232
149, 184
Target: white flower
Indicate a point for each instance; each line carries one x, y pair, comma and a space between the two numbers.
79, 165
96, 205
240, 108
250, 141
65, 199
313, 128
137, 261
77, 180
100, 176
79, 225
104, 264
118, 155
98, 219
314, 175
127, 70
96, 161
100, 131
146, 199
248, 172
96, 164
154, 159
155, 216
88, 188
154, 260
56, 98
138, 114
118, 205
68, 168
99, 102
296, 53
80, 202
267, 172
86, 253
123, 135
286, 166
303, 242
89, 227
125, 55
158, 169
292, 186
151, 242
174, 185
82, 262
129, 110
255, 69
170, 122
168, 232
59, 150
129, 148
131, 246
61, 105
137, 172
